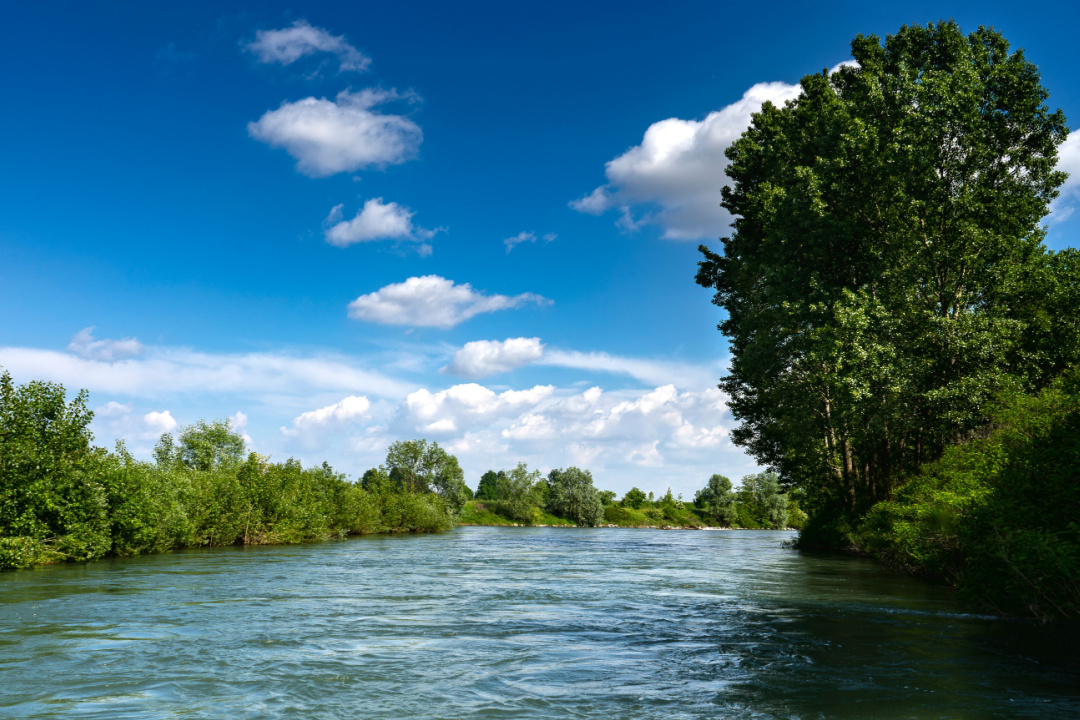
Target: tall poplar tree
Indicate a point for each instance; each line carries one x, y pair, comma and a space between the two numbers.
886, 277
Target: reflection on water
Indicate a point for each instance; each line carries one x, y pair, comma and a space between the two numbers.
516, 623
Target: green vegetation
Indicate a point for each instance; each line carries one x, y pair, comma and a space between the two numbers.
62, 499
885, 286
568, 498
998, 516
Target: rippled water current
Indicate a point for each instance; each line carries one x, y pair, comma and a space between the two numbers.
516, 623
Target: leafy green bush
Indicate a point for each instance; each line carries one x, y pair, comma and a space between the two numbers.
997, 516
63, 499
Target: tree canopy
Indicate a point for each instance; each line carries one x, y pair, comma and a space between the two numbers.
420, 466
886, 277
574, 496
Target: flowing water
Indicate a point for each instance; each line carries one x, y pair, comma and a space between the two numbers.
516, 623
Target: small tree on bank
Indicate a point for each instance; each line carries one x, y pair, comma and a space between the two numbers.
574, 496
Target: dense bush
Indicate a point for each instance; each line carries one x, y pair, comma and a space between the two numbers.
999, 516
61, 498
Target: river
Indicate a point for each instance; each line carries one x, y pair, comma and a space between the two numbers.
516, 623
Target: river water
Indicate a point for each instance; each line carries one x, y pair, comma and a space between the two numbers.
516, 623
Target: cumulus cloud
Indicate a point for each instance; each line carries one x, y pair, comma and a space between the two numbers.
432, 301
487, 357
157, 423
625, 422
84, 345
341, 135
348, 410
524, 237
1069, 161
376, 221
673, 178
464, 406
287, 45
650, 438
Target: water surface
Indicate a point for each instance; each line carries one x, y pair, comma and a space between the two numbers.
516, 623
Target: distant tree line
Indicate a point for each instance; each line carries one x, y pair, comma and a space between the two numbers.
526, 496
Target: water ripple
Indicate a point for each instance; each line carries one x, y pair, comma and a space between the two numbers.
515, 623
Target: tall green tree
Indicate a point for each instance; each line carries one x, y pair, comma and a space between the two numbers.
202, 446
885, 277
574, 496
53, 504
520, 492
767, 503
633, 498
488, 489
717, 500
420, 466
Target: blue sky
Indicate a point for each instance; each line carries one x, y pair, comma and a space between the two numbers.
345, 225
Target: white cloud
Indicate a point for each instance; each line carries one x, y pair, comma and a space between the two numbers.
1069, 161
342, 135
461, 407
348, 410
649, 438
673, 178
625, 422
375, 221
432, 301
157, 423
84, 345
287, 45
648, 371
481, 358
163, 371
524, 237
487, 357
112, 409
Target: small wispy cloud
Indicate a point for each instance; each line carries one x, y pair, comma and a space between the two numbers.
526, 237
301, 39
84, 345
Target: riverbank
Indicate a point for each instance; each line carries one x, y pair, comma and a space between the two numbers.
477, 513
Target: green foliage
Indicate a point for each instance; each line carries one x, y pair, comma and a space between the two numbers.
997, 516
53, 505
520, 494
633, 498
574, 496
492, 512
202, 446
488, 489
420, 467
885, 279
765, 500
63, 499
717, 501
607, 497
